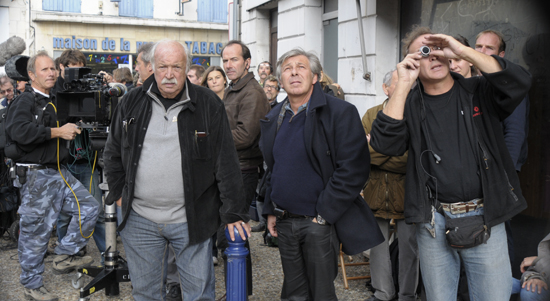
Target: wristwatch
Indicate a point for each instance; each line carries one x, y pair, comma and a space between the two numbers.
320, 220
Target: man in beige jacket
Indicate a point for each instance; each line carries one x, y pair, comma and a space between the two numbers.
385, 193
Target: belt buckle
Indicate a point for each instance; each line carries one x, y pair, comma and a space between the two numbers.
455, 208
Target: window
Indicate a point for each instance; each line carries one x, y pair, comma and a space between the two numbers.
68, 6
136, 8
214, 11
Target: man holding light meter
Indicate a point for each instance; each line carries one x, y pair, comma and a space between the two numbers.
459, 171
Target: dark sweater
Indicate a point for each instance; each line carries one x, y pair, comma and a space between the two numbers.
295, 184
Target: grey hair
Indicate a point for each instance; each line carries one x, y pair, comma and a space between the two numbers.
187, 54
146, 53
32, 61
4, 79
314, 62
387, 78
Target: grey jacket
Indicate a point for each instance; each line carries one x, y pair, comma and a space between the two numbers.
540, 269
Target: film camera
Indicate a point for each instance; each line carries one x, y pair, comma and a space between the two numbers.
89, 102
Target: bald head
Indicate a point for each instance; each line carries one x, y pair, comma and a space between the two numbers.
170, 65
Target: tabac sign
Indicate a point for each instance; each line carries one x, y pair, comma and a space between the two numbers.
108, 44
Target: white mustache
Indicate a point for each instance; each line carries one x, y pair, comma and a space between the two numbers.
169, 81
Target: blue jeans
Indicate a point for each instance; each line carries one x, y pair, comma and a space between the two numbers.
82, 173
146, 244
487, 266
526, 295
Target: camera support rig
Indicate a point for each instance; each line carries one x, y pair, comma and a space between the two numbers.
115, 270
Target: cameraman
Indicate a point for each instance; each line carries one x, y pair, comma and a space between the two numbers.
81, 161
45, 185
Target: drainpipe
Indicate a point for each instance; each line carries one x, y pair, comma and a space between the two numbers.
366, 74
33, 32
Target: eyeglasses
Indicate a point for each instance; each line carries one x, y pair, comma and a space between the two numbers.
6, 91
270, 87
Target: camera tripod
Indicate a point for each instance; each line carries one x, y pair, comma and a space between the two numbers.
115, 270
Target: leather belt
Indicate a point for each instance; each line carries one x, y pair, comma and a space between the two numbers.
458, 208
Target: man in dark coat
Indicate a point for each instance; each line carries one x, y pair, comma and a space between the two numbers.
172, 166
316, 148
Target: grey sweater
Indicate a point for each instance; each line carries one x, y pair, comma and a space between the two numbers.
159, 193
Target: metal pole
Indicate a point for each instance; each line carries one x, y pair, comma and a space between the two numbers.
236, 267
366, 73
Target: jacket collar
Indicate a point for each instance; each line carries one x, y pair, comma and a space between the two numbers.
318, 97
241, 83
316, 100
191, 92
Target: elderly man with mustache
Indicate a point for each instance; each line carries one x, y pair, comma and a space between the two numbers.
171, 164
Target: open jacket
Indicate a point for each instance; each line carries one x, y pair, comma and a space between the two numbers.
540, 269
31, 133
338, 150
246, 103
385, 189
212, 179
485, 101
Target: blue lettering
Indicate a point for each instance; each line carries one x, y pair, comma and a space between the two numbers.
68, 43
211, 50
195, 47
86, 44
79, 43
219, 48
58, 43
112, 44
188, 44
126, 46
104, 44
93, 44
204, 47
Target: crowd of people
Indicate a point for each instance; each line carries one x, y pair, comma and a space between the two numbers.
190, 149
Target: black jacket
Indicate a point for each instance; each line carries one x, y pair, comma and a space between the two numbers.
338, 150
211, 175
34, 139
485, 100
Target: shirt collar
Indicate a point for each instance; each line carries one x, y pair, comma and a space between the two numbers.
40, 92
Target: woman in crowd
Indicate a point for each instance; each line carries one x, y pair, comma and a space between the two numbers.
330, 87
214, 78
462, 67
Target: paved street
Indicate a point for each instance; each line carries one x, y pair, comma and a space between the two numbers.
267, 271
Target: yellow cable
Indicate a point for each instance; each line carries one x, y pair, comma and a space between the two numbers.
92, 176
59, 169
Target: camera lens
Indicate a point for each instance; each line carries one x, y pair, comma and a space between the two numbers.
425, 51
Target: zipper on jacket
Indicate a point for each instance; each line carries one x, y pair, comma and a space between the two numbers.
485, 160
511, 190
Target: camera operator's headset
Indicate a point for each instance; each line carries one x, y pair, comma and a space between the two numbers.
59, 169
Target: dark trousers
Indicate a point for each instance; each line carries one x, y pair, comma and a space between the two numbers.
309, 255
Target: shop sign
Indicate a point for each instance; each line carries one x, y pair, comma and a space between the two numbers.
111, 44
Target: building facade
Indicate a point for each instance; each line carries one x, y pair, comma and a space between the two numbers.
331, 28
110, 32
